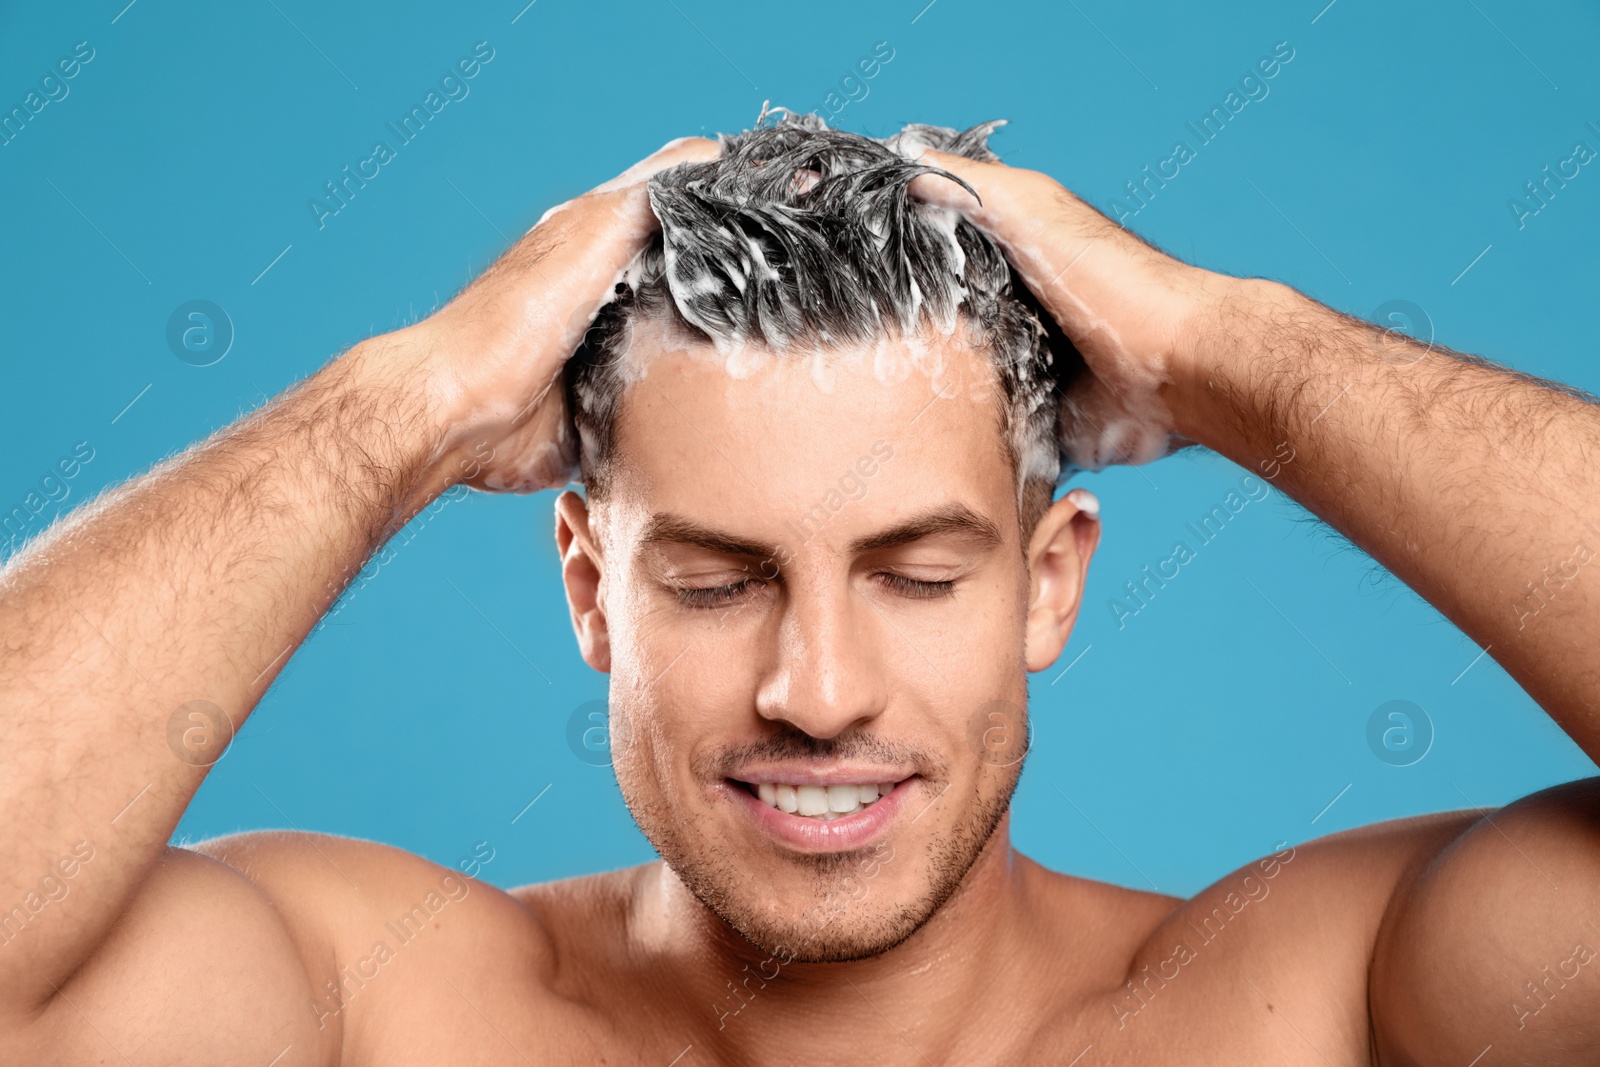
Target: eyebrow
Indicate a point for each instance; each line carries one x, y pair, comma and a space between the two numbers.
669, 529
950, 519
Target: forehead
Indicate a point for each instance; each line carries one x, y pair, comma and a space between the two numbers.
750, 438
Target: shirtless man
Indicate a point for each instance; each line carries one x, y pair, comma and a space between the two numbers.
755, 669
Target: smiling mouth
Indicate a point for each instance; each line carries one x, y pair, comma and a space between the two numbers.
823, 803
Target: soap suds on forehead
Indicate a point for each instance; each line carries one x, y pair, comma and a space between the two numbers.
892, 359
800, 242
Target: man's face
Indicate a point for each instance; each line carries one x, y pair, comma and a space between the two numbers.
813, 584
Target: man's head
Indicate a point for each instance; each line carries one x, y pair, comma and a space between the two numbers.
802, 237
818, 430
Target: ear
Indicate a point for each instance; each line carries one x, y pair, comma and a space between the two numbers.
1058, 565
581, 570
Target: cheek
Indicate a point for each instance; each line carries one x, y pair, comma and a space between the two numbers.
977, 637
988, 679
666, 704
633, 749
643, 630
681, 657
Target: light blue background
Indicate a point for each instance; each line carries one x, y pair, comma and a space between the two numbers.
429, 716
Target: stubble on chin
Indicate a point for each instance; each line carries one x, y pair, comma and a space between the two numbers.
845, 917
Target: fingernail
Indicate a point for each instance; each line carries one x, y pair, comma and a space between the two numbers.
1086, 501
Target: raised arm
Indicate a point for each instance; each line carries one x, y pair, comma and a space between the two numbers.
141, 630
1475, 484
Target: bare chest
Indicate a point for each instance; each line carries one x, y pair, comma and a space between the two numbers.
1188, 1014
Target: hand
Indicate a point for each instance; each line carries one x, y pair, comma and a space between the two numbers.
1132, 311
490, 361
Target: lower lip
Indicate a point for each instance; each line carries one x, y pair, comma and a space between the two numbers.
804, 833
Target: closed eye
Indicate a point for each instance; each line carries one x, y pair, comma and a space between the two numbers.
718, 595
917, 590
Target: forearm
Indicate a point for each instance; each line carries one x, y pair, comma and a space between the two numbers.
1472, 483
193, 582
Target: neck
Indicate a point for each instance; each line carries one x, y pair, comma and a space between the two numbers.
752, 1006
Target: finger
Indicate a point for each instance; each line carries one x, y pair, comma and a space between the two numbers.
1014, 201
1004, 202
630, 185
1102, 427
541, 453
674, 152
939, 190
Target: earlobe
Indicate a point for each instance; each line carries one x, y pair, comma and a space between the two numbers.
581, 572
1058, 565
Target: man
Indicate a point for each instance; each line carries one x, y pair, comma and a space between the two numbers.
817, 709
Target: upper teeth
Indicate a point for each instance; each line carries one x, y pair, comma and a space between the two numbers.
824, 802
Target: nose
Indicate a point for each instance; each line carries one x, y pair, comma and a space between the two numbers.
829, 674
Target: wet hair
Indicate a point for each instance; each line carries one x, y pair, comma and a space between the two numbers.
801, 236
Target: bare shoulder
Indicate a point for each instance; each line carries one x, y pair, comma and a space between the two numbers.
588, 922
1495, 942
1340, 885
397, 946
1274, 954
328, 884
418, 960
350, 894
251, 945
1423, 941
604, 898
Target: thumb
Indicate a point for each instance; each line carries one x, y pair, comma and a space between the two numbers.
1101, 427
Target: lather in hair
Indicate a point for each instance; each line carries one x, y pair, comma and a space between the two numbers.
802, 237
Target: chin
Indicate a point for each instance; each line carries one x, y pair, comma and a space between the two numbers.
840, 919
830, 908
